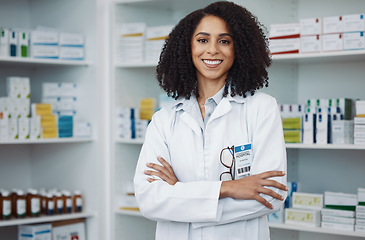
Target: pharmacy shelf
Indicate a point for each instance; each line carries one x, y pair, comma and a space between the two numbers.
41, 219
137, 65
274, 225
33, 61
353, 55
324, 146
129, 141
129, 212
316, 230
54, 140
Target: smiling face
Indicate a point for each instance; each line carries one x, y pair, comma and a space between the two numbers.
212, 49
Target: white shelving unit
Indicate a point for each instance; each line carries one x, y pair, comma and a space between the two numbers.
42, 141
72, 164
35, 61
43, 219
293, 79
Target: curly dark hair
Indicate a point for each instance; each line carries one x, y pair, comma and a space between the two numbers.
176, 72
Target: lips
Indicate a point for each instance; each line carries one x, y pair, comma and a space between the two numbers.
212, 63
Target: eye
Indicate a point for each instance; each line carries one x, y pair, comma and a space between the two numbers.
224, 41
202, 40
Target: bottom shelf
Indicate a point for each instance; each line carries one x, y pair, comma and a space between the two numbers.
316, 229
276, 226
41, 219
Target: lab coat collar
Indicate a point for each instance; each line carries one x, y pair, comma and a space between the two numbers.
183, 104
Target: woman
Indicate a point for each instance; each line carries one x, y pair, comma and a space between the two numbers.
219, 128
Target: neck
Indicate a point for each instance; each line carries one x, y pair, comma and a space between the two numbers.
208, 89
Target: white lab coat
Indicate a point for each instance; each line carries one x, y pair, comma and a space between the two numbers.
191, 210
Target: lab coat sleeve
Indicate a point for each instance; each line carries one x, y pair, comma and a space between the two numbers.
159, 201
269, 155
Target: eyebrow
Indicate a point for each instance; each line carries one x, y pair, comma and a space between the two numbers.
208, 34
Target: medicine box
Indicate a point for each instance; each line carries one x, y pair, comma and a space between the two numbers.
338, 226
360, 221
310, 44
359, 120
72, 53
304, 217
359, 228
310, 26
285, 30
74, 230
44, 38
360, 108
293, 136
353, 41
332, 42
71, 39
284, 46
333, 24
309, 126
307, 200
342, 130
35, 232
322, 126
338, 213
354, 23
23, 128
35, 127
336, 219
344, 106
361, 196
44, 51
342, 201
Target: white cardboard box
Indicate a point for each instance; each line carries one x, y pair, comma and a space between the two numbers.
354, 23
284, 30
332, 42
35, 232
332, 25
310, 26
310, 44
353, 41
70, 231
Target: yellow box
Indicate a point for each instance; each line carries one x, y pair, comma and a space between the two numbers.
51, 132
41, 109
293, 136
307, 200
48, 121
292, 123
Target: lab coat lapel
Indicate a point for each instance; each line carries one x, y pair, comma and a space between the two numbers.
223, 108
188, 120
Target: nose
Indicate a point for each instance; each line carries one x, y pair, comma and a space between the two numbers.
213, 48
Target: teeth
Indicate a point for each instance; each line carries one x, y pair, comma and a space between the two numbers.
215, 62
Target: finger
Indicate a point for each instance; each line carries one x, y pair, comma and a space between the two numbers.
271, 193
151, 179
158, 168
165, 164
157, 174
263, 201
270, 174
273, 183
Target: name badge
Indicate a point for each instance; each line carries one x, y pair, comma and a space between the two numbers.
242, 161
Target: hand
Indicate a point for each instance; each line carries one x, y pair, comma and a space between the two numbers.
165, 172
250, 187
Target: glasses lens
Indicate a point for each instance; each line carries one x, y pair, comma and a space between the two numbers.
227, 157
226, 176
